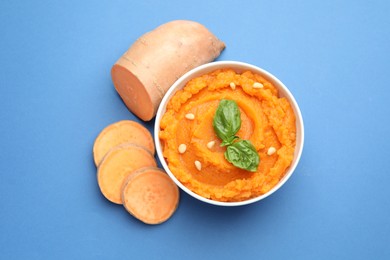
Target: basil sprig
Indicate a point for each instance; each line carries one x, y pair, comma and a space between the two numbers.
226, 123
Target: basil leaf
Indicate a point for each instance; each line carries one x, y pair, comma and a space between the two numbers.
227, 121
243, 155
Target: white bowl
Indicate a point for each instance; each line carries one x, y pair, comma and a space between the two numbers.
238, 67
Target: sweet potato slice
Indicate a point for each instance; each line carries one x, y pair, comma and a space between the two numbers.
150, 195
157, 59
125, 131
118, 163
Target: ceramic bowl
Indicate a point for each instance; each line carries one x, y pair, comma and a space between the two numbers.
238, 67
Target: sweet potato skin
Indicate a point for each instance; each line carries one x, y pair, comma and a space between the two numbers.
157, 59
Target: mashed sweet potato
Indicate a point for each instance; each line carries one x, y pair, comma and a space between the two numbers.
267, 121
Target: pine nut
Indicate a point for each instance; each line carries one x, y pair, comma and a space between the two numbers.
210, 144
190, 116
182, 148
271, 150
198, 165
258, 85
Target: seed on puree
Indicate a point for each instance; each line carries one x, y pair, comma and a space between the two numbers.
267, 122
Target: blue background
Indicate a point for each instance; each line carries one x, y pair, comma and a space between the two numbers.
56, 95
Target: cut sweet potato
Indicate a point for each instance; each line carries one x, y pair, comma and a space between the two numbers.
150, 195
118, 163
157, 59
125, 131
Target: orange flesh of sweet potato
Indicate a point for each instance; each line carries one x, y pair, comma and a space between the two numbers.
157, 59
150, 195
125, 131
117, 165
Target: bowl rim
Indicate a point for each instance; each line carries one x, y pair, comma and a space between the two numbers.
238, 67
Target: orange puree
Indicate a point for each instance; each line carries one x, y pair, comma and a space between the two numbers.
266, 120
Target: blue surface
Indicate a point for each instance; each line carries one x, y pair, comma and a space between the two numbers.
56, 95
